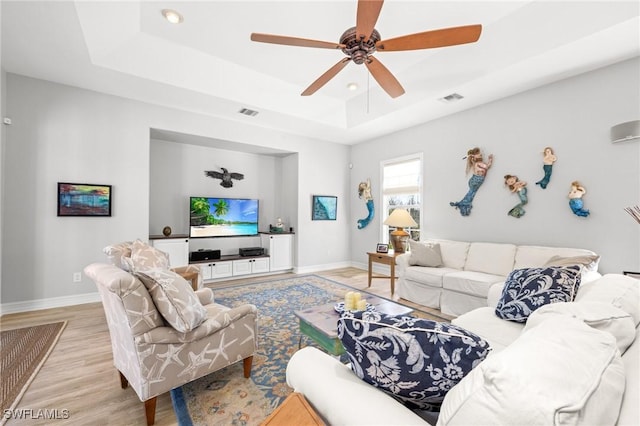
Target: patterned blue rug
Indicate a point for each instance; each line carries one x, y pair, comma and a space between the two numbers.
225, 397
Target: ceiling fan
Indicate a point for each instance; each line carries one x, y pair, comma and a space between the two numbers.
359, 43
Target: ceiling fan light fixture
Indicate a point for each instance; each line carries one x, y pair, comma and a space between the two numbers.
352, 86
172, 16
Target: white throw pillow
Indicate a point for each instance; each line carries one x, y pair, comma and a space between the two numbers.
601, 316
425, 254
561, 372
618, 290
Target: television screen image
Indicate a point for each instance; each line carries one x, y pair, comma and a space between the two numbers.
222, 217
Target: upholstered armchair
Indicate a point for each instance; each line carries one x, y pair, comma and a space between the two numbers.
149, 352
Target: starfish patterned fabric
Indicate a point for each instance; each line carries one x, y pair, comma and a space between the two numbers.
417, 361
175, 299
528, 289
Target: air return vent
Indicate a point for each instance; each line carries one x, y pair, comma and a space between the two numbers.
249, 112
625, 131
454, 97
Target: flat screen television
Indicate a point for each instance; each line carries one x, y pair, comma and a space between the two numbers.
222, 217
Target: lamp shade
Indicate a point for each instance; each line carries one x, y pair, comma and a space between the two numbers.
400, 218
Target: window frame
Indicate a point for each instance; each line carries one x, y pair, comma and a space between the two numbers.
384, 208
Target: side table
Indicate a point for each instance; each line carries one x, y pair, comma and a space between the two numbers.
385, 259
295, 410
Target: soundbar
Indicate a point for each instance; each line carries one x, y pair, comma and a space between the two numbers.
204, 254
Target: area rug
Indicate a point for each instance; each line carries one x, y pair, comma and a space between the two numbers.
23, 351
225, 397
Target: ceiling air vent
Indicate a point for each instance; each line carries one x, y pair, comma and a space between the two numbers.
249, 112
454, 97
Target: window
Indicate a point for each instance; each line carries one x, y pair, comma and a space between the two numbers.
402, 187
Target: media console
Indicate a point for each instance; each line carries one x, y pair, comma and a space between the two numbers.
275, 255
232, 266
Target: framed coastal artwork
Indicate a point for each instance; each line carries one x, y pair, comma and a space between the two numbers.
84, 199
324, 207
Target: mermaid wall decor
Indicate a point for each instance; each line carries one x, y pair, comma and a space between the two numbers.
478, 167
364, 192
548, 159
575, 199
518, 187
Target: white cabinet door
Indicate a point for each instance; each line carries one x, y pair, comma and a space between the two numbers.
260, 265
221, 270
241, 267
280, 250
176, 248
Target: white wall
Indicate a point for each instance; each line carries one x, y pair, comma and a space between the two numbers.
62, 133
574, 117
177, 172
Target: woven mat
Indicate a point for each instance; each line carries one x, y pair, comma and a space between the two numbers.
23, 351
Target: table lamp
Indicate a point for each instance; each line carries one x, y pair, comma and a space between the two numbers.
399, 219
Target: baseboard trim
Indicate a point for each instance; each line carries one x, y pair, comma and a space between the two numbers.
54, 302
325, 267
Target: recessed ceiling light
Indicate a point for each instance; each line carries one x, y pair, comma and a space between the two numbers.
172, 16
352, 86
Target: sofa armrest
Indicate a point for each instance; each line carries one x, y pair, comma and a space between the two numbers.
210, 326
494, 294
402, 262
339, 396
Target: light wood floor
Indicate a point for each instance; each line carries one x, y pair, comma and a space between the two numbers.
79, 375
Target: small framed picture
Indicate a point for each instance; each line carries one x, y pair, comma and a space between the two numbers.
382, 248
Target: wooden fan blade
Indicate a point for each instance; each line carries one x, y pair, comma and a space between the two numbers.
294, 41
383, 76
366, 18
431, 39
324, 78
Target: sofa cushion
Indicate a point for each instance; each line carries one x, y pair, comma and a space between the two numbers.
175, 299
454, 253
425, 254
528, 289
145, 258
562, 372
484, 322
415, 360
601, 316
618, 290
537, 256
426, 275
470, 282
490, 258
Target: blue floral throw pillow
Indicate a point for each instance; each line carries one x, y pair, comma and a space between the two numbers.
530, 288
415, 360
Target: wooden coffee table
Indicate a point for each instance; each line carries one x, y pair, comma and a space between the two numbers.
320, 323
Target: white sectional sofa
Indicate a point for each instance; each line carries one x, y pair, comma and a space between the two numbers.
562, 369
470, 271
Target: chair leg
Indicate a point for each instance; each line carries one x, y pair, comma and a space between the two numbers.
247, 362
150, 410
123, 381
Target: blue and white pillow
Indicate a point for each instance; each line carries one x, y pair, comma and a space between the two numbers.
415, 360
528, 289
